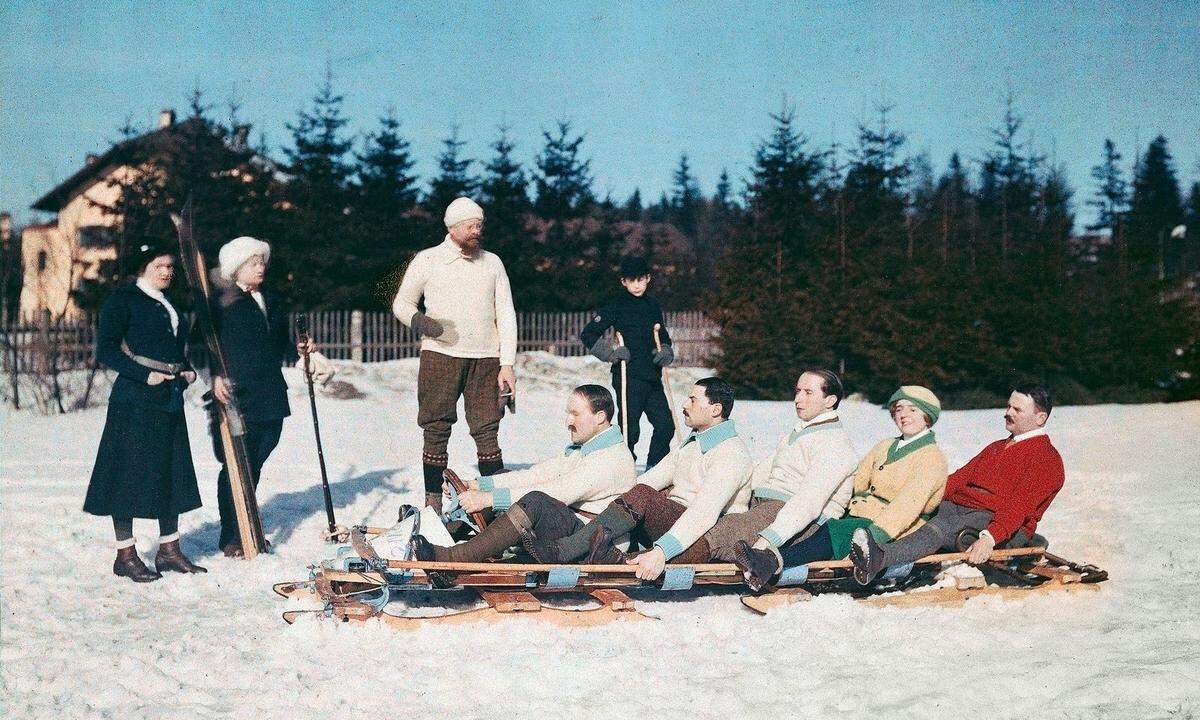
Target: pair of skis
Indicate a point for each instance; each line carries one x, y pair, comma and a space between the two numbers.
231, 424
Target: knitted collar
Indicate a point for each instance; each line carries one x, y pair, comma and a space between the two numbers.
451, 252
608, 438
895, 452
713, 436
824, 421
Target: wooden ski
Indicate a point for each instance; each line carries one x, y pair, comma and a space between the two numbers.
231, 425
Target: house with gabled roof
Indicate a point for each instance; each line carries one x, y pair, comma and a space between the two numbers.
62, 255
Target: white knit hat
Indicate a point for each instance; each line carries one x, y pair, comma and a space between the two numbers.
237, 251
461, 210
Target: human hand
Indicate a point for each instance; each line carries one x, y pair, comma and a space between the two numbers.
507, 379
220, 390
650, 564
981, 550
473, 501
620, 354
157, 378
664, 357
305, 347
189, 376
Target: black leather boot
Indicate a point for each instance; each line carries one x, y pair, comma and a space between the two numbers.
170, 558
129, 565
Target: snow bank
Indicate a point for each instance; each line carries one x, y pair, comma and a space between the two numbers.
77, 642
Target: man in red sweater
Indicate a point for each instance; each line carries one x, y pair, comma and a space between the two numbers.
999, 496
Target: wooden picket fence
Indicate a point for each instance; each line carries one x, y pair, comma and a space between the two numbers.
38, 346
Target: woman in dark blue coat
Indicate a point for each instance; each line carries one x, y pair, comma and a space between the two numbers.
144, 463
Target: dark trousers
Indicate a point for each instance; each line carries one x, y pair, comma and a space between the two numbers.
441, 380
940, 533
261, 438
546, 518
647, 397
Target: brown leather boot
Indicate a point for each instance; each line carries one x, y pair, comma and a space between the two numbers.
129, 565
603, 550
170, 558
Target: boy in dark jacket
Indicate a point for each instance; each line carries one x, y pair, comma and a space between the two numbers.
634, 314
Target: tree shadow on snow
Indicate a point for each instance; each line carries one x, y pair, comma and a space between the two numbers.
285, 511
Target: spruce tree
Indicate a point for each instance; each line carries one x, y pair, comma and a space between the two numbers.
385, 232
562, 200
505, 197
1156, 208
769, 285
562, 182
685, 197
318, 192
454, 177
632, 210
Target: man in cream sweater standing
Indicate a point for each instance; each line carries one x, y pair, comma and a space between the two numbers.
468, 345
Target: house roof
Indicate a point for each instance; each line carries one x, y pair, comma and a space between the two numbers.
115, 156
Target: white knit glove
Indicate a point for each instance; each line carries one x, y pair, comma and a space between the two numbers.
322, 368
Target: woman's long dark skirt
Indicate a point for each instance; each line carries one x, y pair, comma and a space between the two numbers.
144, 465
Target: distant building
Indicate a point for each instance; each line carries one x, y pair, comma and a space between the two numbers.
59, 256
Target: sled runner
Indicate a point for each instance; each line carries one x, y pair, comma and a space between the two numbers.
358, 585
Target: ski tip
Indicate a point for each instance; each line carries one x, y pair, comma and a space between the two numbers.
287, 589
291, 616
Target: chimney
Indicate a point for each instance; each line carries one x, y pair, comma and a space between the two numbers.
166, 118
90, 159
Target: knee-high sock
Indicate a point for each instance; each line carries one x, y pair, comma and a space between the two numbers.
615, 517
123, 529
497, 537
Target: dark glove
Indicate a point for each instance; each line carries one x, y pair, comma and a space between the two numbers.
664, 357
426, 325
608, 353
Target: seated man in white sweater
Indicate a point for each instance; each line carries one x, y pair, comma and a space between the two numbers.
809, 477
540, 502
708, 475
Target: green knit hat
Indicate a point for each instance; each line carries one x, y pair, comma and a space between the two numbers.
922, 397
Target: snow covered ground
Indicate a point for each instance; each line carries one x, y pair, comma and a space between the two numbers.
78, 642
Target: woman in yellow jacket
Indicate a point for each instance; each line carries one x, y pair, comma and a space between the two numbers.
897, 487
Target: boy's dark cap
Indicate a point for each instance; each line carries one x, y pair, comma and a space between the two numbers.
634, 267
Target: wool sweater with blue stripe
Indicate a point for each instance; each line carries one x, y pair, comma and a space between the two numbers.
709, 474
586, 477
812, 471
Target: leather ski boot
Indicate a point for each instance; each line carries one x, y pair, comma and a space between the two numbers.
603, 551
425, 551
757, 566
170, 558
129, 565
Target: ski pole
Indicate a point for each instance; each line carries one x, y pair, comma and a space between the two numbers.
624, 392
302, 331
666, 380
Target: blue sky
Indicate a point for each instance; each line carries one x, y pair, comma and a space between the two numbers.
645, 81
